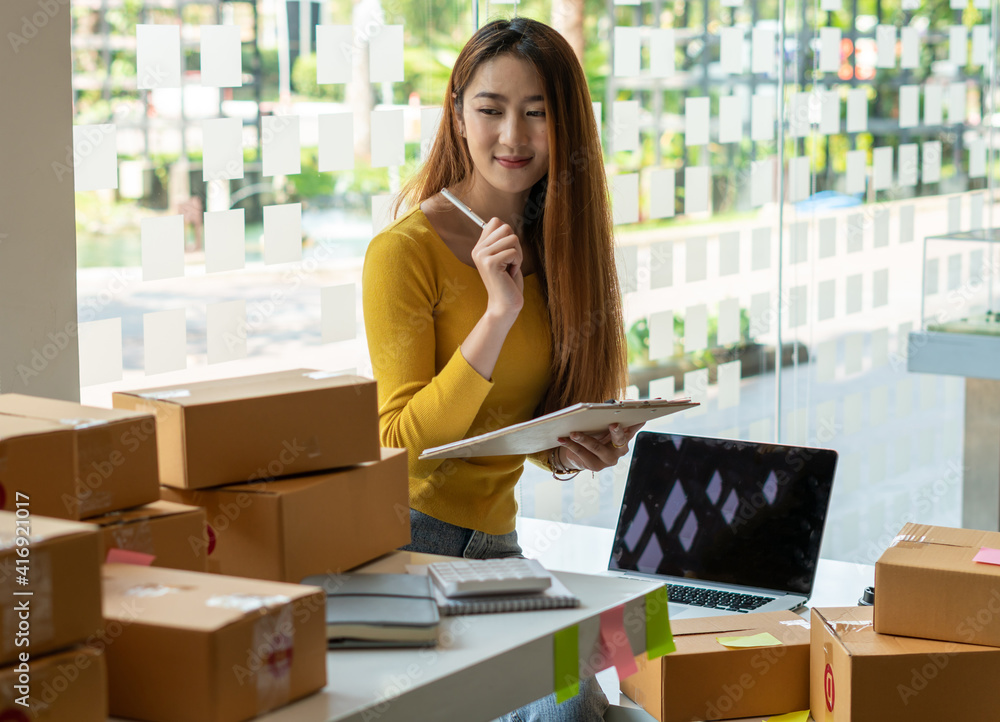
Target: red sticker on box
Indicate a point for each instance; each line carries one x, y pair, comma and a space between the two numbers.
829, 688
211, 538
124, 556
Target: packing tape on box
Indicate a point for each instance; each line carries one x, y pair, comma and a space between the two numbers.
38, 625
273, 646
795, 623
320, 375
134, 537
841, 627
82, 423
151, 590
247, 602
165, 395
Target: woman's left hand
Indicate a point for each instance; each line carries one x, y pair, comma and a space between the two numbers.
583, 451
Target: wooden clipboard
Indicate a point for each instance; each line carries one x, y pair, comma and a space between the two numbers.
543, 433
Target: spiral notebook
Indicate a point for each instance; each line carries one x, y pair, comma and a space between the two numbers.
556, 596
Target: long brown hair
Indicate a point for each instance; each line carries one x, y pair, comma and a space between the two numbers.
567, 217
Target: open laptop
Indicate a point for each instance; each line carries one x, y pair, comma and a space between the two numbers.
731, 526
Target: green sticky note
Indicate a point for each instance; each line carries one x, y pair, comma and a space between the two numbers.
802, 716
764, 639
567, 663
659, 638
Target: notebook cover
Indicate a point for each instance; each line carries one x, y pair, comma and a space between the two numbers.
555, 597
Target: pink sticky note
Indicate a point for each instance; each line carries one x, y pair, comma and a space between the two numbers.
615, 642
987, 555
124, 556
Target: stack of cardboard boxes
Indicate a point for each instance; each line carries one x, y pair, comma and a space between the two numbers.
929, 650
289, 470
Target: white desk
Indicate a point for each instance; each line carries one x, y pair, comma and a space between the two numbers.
587, 550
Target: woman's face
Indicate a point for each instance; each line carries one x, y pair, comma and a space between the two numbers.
504, 118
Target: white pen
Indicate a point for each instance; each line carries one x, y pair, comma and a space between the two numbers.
462, 207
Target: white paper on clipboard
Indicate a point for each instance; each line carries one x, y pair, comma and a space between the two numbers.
543, 433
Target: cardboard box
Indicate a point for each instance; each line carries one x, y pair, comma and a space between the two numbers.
289, 529
75, 461
66, 686
928, 586
703, 680
170, 533
195, 647
62, 567
252, 428
861, 676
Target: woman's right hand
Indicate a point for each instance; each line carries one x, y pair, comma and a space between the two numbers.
498, 258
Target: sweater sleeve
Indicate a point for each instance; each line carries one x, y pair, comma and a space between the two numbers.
418, 408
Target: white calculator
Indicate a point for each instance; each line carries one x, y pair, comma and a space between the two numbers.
489, 576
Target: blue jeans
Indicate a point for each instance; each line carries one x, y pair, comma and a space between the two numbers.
432, 536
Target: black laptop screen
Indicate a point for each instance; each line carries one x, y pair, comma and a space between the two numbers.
733, 512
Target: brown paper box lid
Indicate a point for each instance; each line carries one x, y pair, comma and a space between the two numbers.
148, 512
247, 387
695, 636
189, 600
43, 528
64, 413
941, 548
13, 426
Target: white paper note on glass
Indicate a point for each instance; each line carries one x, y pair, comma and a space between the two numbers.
730, 119
763, 46
880, 347
628, 45
282, 240
626, 126
976, 206
625, 198
158, 56
662, 388
162, 241
225, 241
627, 263
100, 351
762, 181
855, 233
880, 221
910, 53
164, 341
95, 157
729, 321
827, 237
762, 117
909, 102
977, 158
761, 313
222, 149
731, 50
855, 176
885, 42
334, 53
760, 248
882, 168
954, 214
957, 96
907, 219
221, 56
661, 335
958, 45
826, 298
695, 328
932, 161
853, 293
661, 52
933, 96
280, 141
661, 265
385, 55
227, 331
729, 384
798, 178
387, 138
829, 50
336, 141
338, 312
831, 5
829, 112
857, 110
696, 182
798, 115
798, 235
729, 253
854, 344
880, 288
661, 193
980, 44
798, 307
826, 360
696, 254
696, 120
909, 164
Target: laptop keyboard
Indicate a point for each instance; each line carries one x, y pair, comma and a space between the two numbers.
716, 598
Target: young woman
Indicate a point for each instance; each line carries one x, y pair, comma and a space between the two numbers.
470, 330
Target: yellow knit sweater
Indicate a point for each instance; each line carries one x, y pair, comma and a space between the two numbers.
420, 303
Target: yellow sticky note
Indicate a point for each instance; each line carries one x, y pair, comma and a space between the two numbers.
764, 639
802, 716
